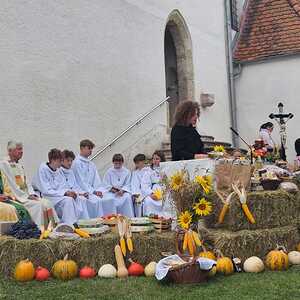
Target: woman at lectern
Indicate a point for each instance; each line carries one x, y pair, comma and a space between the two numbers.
185, 140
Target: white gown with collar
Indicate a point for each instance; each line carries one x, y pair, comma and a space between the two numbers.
88, 180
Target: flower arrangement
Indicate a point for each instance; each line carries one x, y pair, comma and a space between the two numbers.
190, 197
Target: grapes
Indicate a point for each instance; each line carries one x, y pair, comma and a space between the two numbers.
24, 229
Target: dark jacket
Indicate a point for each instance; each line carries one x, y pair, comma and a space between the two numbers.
185, 142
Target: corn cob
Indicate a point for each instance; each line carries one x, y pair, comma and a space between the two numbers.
223, 213
190, 243
248, 213
129, 244
123, 245
82, 233
196, 238
185, 238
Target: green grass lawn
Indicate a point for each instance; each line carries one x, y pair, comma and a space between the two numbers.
267, 285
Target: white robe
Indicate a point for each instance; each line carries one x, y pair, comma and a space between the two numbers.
136, 188
266, 136
120, 179
150, 182
51, 185
36, 208
89, 181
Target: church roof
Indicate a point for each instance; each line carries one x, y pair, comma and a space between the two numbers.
269, 28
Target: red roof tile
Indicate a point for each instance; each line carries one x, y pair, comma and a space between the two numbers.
269, 28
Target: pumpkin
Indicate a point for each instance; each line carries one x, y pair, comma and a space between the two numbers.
87, 272
294, 257
253, 264
135, 269
212, 272
24, 271
41, 274
208, 254
122, 271
107, 271
150, 269
65, 269
224, 264
277, 260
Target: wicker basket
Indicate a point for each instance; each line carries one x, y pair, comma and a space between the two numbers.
189, 272
270, 184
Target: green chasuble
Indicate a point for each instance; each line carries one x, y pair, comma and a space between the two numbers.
22, 213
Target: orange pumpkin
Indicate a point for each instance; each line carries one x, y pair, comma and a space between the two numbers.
24, 271
207, 254
277, 260
224, 265
65, 269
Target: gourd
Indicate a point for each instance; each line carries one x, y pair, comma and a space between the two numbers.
253, 264
107, 271
87, 272
24, 271
207, 254
150, 269
212, 272
65, 269
294, 257
224, 265
122, 271
277, 260
135, 269
41, 274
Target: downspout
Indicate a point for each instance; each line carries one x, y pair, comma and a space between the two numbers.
230, 74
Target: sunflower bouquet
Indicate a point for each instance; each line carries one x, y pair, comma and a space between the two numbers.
190, 198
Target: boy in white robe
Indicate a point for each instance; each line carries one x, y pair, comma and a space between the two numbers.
117, 181
51, 184
151, 182
41, 210
136, 181
89, 181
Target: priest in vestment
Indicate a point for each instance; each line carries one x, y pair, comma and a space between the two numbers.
89, 181
23, 191
117, 181
50, 183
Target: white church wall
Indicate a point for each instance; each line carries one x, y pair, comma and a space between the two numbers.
260, 88
75, 69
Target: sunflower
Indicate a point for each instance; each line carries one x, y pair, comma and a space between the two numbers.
158, 193
177, 180
185, 219
219, 148
205, 182
202, 208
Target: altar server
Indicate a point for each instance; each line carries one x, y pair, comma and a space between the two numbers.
89, 181
136, 181
151, 183
41, 210
50, 182
117, 181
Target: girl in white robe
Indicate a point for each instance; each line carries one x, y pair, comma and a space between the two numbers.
150, 182
89, 181
117, 181
136, 181
51, 185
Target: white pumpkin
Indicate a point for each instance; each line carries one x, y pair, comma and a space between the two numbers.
107, 271
294, 257
253, 264
150, 269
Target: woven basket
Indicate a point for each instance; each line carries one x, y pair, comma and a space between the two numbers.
189, 272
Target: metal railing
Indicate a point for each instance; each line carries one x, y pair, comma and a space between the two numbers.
137, 122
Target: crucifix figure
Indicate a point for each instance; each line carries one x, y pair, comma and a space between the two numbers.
282, 118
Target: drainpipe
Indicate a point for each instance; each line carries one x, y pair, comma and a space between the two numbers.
230, 74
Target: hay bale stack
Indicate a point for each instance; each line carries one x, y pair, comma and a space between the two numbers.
246, 243
93, 252
270, 209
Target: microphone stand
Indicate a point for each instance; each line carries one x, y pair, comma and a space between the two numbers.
238, 135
